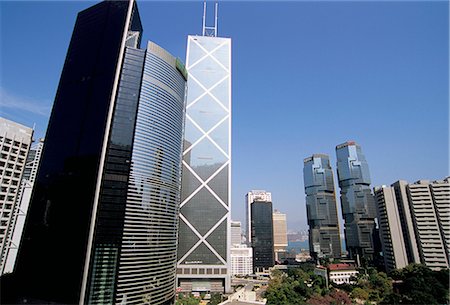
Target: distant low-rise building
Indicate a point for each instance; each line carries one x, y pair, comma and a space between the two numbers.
342, 273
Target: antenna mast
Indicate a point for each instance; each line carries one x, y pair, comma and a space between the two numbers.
210, 31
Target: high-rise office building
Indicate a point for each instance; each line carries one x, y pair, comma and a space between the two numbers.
391, 232
103, 218
15, 141
406, 221
260, 232
204, 232
321, 209
236, 233
23, 201
358, 205
250, 197
280, 242
429, 204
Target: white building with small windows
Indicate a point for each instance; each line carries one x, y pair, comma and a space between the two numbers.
241, 260
342, 273
15, 141
23, 202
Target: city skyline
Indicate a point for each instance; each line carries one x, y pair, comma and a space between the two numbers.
376, 73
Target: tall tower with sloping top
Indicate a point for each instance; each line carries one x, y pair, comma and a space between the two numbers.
204, 230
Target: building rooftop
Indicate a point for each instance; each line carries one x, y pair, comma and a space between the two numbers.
333, 267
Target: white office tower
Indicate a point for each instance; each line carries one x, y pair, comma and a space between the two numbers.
391, 233
236, 233
241, 260
250, 197
280, 242
15, 140
23, 201
204, 229
430, 209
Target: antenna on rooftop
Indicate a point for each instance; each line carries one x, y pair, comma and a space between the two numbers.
210, 31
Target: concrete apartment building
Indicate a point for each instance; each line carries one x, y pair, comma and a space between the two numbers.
15, 141
23, 202
429, 210
391, 234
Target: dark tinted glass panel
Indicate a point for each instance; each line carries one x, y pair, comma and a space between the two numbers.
51, 261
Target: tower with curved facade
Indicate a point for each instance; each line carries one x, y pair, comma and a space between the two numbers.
103, 218
321, 209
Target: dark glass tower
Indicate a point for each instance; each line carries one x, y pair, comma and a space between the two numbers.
103, 219
358, 204
324, 235
262, 235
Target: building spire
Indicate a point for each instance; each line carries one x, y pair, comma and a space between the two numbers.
210, 31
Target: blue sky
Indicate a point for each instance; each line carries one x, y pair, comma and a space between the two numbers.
307, 75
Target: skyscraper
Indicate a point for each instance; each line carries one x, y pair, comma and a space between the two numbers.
250, 197
280, 242
15, 141
358, 205
204, 232
429, 205
23, 201
260, 233
102, 224
406, 220
321, 209
391, 233
236, 233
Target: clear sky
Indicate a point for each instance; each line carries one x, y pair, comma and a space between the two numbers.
307, 75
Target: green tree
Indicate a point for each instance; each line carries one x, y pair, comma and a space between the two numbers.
216, 298
359, 293
418, 284
187, 300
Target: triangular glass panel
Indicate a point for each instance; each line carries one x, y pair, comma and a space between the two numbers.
205, 158
222, 92
203, 211
191, 134
222, 55
209, 43
218, 239
220, 135
219, 184
195, 53
202, 255
206, 112
194, 90
187, 239
208, 72
189, 183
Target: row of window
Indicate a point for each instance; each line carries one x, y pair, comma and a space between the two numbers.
14, 143
201, 271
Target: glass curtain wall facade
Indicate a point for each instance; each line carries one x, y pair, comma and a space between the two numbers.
102, 225
262, 235
204, 231
321, 209
358, 204
146, 271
